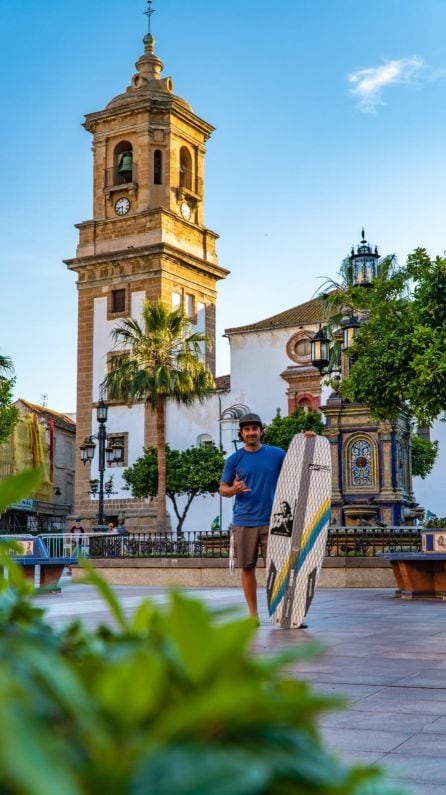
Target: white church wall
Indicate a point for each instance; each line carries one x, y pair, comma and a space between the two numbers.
102, 339
121, 419
184, 426
257, 359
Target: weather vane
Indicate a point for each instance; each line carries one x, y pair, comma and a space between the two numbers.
149, 13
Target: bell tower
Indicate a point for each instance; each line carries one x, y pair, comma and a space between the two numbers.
146, 240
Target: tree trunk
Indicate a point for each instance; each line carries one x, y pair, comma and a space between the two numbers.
161, 520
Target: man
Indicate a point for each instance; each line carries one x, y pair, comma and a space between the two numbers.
250, 475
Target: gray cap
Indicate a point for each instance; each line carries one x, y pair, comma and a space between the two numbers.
250, 419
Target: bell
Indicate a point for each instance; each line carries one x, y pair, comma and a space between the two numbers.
126, 165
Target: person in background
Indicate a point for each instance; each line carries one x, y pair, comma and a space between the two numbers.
121, 528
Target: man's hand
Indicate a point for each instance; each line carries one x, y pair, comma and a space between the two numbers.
239, 485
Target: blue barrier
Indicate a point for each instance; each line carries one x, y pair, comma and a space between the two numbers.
33, 553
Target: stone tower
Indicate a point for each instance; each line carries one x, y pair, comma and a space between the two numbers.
146, 240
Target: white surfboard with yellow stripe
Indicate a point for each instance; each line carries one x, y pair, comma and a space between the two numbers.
298, 529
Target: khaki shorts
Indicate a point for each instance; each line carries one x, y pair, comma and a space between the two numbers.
246, 545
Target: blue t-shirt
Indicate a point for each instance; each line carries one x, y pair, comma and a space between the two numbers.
260, 471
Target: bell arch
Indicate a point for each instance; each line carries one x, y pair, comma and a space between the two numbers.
185, 168
123, 162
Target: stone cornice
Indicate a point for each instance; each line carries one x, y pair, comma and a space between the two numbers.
160, 249
151, 104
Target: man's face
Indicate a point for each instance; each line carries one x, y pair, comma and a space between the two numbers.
251, 435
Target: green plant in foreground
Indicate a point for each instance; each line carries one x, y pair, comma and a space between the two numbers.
170, 702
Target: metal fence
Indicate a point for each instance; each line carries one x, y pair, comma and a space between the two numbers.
23, 523
341, 542
371, 541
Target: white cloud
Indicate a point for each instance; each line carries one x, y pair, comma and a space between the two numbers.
368, 84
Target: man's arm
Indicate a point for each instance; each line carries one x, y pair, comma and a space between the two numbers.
237, 487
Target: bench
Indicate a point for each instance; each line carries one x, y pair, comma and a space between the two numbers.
34, 559
419, 574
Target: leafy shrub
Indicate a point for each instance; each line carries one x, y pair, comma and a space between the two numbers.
281, 430
170, 702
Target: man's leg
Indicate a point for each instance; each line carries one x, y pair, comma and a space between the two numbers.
249, 585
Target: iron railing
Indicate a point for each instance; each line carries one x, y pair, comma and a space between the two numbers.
371, 541
341, 542
24, 523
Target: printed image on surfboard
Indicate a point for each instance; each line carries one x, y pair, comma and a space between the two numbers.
282, 521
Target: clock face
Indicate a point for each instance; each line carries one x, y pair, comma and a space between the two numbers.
185, 210
122, 206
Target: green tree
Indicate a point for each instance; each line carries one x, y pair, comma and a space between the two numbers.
424, 454
161, 360
192, 472
281, 430
8, 413
400, 352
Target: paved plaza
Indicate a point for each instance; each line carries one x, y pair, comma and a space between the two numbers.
386, 655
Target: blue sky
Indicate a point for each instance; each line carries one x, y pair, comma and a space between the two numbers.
330, 116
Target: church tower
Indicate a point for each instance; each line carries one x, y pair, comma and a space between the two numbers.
146, 240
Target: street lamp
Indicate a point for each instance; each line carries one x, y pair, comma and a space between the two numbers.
350, 326
320, 350
364, 263
112, 453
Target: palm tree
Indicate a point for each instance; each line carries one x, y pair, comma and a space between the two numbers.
161, 360
6, 367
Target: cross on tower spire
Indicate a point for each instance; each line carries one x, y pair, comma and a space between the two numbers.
148, 14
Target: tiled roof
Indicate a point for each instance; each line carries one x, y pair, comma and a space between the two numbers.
310, 312
50, 414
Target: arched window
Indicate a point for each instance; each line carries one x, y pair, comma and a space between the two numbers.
123, 163
185, 168
361, 463
204, 440
157, 167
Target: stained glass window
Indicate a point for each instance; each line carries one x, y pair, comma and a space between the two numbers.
361, 463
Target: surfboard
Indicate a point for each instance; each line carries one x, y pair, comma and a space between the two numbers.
298, 529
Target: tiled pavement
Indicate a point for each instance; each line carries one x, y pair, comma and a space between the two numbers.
386, 655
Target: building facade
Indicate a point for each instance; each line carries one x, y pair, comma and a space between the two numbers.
47, 439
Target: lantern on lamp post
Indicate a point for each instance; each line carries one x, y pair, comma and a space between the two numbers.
320, 350
364, 263
110, 454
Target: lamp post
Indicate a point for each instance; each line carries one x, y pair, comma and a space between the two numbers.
112, 453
